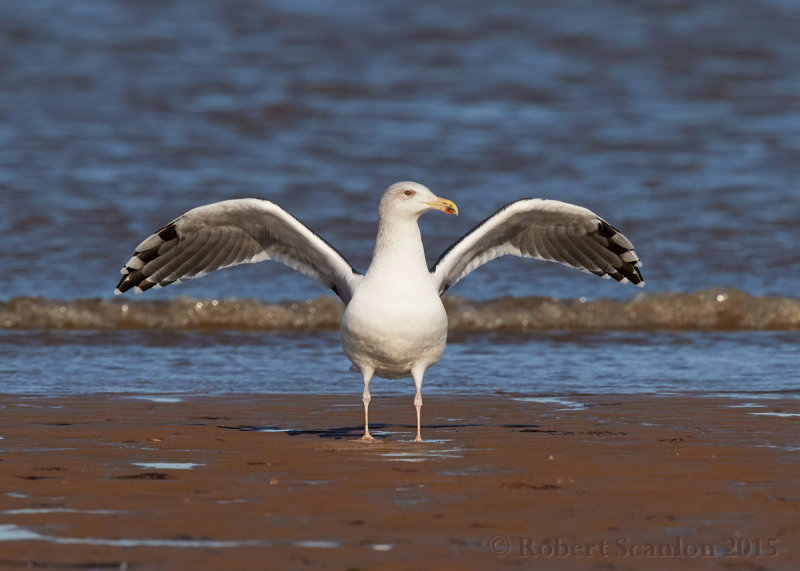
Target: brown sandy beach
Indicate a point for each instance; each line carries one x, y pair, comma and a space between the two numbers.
280, 482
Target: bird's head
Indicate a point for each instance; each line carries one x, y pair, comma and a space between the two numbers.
413, 199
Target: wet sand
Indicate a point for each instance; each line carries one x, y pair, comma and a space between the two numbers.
277, 481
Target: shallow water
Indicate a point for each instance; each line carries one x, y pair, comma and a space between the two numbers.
554, 362
678, 122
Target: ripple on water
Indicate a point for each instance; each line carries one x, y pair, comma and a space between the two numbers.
168, 465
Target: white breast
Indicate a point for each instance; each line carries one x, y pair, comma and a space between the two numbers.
391, 325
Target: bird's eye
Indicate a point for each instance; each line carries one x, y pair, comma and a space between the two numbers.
408, 192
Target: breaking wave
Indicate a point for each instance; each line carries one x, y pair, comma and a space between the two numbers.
716, 309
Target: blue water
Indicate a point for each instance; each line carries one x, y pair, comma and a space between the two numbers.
678, 122
68, 362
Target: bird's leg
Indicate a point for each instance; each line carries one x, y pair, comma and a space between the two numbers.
366, 398
417, 374
418, 405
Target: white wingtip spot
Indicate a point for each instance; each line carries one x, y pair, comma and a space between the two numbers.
135, 263
622, 241
640, 284
150, 242
116, 291
137, 289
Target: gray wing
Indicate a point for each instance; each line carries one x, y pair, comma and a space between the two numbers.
546, 230
229, 233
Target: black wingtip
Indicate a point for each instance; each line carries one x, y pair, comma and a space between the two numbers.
124, 284
168, 232
134, 276
616, 242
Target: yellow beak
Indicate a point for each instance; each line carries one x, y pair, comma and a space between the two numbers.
446, 206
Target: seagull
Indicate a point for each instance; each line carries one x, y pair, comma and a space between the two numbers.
394, 324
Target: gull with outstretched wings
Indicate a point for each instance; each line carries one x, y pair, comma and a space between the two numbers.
394, 324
